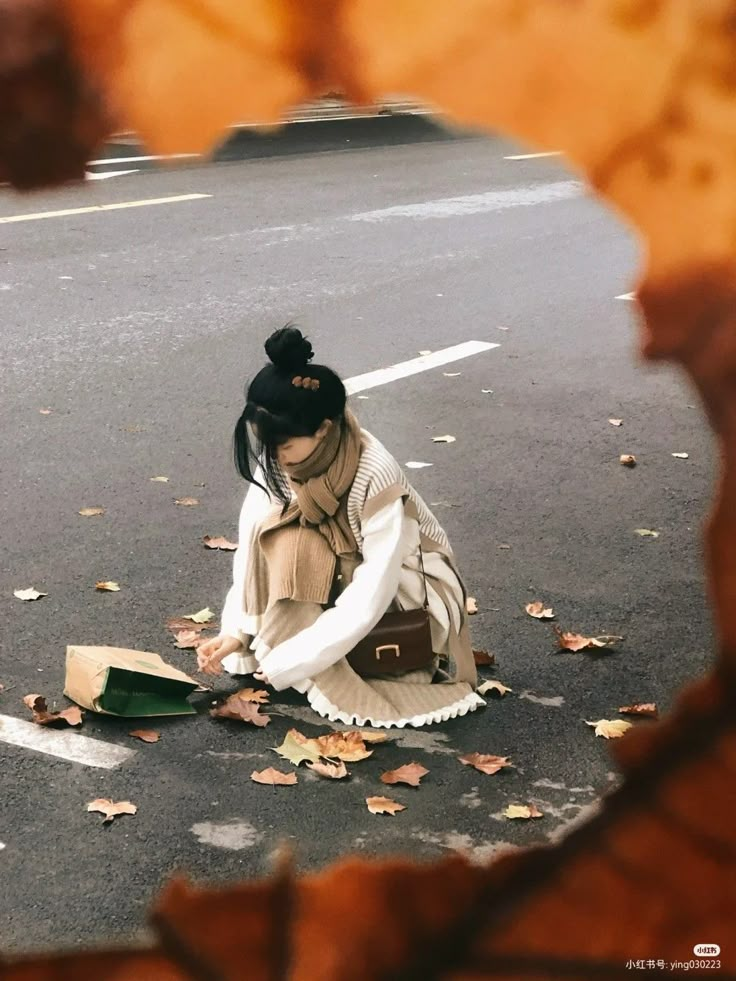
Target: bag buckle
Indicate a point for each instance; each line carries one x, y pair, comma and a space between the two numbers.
387, 647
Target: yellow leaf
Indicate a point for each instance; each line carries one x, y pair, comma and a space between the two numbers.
295, 748
471, 606
627, 460
202, 616
109, 587
646, 533
522, 811
91, 512
610, 728
160, 480
383, 805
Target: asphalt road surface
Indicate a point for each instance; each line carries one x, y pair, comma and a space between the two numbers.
138, 328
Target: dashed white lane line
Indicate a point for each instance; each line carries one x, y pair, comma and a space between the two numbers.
91, 209
627, 296
70, 746
382, 376
107, 174
76, 748
473, 204
534, 156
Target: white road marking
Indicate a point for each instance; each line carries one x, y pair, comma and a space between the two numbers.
151, 156
626, 296
91, 209
473, 204
89, 176
382, 376
66, 745
534, 156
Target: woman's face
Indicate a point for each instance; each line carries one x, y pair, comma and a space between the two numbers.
296, 449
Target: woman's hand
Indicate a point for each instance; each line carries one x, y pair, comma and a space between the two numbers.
211, 653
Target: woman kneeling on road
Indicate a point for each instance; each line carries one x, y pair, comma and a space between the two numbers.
332, 537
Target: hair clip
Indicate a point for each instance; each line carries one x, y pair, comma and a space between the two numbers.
299, 382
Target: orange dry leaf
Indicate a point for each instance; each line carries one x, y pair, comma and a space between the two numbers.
627, 460
410, 773
496, 688
110, 809
107, 587
576, 642
188, 639
647, 709
187, 502
91, 512
383, 805
146, 735
347, 746
175, 624
334, 771
240, 709
258, 695
220, 542
539, 611
483, 658
485, 763
273, 777
524, 811
72, 716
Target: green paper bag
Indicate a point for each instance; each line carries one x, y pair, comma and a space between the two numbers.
118, 681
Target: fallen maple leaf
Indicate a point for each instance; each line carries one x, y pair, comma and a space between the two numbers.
111, 810
28, 594
295, 749
202, 616
186, 502
485, 762
258, 695
175, 624
71, 716
610, 728
334, 771
483, 658
647, 709
160, 480
493, 686
347, 746
45, 412
444, 439
410, 773
627, 460
91, 512
539, 611
681, 456
108, 587
273, 777
471, 606
646, 533
522, 811
370, 736
220, 542
616, 422
383, 805
577, 642
146, 735
237, 708
188, 639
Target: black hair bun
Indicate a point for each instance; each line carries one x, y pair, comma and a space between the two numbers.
289, 349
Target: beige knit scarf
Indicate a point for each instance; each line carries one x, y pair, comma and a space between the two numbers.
295, 554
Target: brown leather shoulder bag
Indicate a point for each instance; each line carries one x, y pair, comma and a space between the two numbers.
401, 641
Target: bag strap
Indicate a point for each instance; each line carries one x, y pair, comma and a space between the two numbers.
424, 577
